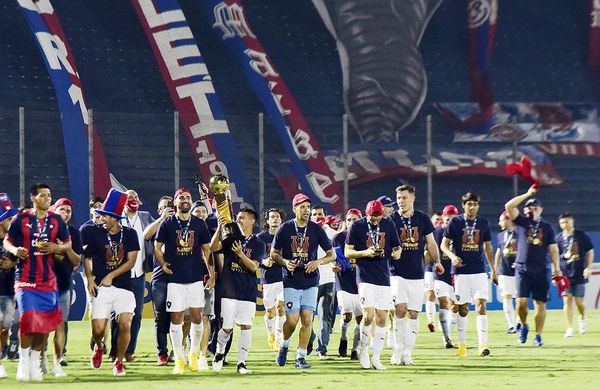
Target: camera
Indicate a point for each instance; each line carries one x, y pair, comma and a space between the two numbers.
198, 179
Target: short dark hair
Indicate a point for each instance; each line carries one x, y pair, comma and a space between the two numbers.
281, 213
437, 213
317, 206
35, 189
566, 215
406, 187
95, 200
250, 211
470, 196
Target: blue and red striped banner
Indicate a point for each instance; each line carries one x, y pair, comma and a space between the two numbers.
60, 64
192, 91
308, 162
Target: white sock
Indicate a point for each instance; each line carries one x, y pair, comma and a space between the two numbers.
461, 327
509, 312
196, 332
378, 340
445, 324
345, 326
430, 310
244, 345
279, 334
35, 360
301, 353
24, 354
222, 339
176, 332
356, 340
400, 332
453, 321
482, 329
286, 342
365, 333
269, 324
410, 338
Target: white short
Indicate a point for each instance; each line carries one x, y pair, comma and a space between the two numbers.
183, 296
375, 296
349, 303
409, 292
443, 289
272, 293
507, 285
237, 312
429, 282
111, 299
469, 287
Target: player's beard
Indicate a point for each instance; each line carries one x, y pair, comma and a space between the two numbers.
184, 207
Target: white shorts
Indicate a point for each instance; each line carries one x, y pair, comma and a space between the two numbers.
429, 282
272, 293
349, 303
507, 285
375, 296
111, 299
469, 287
237, 312
183, 296
409, 292
443, 289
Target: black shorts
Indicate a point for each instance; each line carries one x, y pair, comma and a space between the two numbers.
535, 285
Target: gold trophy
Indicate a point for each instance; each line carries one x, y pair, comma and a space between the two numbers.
230, 231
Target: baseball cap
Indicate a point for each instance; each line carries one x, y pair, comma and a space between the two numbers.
354, 211
299, 199
331, 219
386, 201
374, 208
197, 203
533, 201
181, 191
449, 210
63, 201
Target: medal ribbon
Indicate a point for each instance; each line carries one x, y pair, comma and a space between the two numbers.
407, 223
470, 229
184, 230
374, 234
114, 245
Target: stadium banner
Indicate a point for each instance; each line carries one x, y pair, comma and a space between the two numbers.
531, 122
594, 43
571, 149
189, 83
373, 162
60, 64
308, 162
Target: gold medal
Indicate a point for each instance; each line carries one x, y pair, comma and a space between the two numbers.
506, 251
567, 255
39, 244
537, 241
183, 243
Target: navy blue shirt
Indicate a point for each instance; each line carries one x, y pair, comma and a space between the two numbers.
184, 253
273, 274
345, 280
438, 235
467, 242
300, 245
7, 276
412, 232
361, 235
98, 248
239, 283
63, 268
508, 245
572, 251
533, 255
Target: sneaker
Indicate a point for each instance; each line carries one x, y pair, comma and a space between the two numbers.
363, 357
118, 368
58, 371
242, 369
449, 344
462, 350
179, 367
569, 332
354, 355
44, 364
431, 327
376, 364
282, 356
193, 362
518, 327
63, 362
523, 333
582, 326
162, 360
511, 330
275, 345
97, 357
537, 341
396, 358
218, 363
484, 350
322, 355
13, 352
172, 356
202, 363
225, 361
302, 364
35, 371
3, 372
271, 342
343, 349
407, 360
23, 371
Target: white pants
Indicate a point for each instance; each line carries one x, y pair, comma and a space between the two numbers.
237, 312
349, 303
469, 287
375, 296
507, 285
409, 292
272, 293
111, 299
183, 296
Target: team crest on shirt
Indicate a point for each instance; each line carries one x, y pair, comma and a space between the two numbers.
381, 242
185, 244
113, 260
300, 247
289, 304
409, 238
470, 242
538, 240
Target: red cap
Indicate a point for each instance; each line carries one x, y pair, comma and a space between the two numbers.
63, 201
505, 215
562, 283
449, 210
181, 191
331, 219
299, 199
374, 208
354, 211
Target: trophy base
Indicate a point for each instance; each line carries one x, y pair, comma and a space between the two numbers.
230, 233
